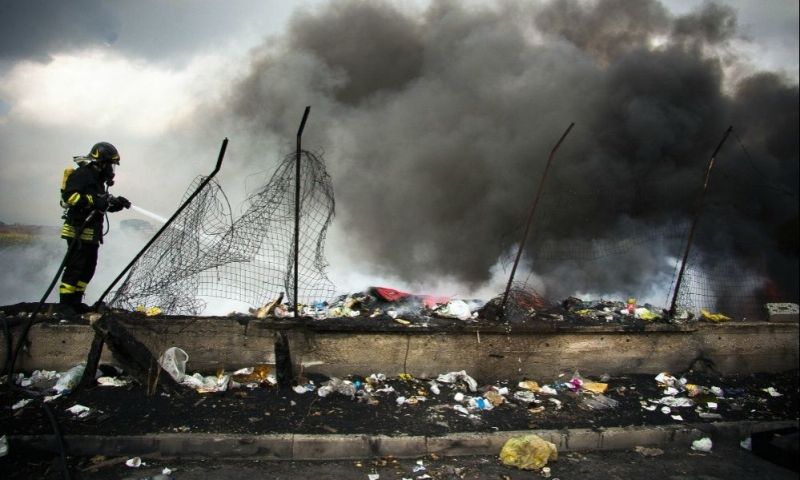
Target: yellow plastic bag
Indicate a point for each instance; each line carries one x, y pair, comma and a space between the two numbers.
529, 452
647, 315
529, 385
150, 311
595, 387
714, 317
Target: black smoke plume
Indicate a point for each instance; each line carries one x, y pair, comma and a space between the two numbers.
437, 125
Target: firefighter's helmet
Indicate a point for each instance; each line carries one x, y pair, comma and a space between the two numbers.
104, 152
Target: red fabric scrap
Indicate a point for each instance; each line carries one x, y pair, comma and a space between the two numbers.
392, 295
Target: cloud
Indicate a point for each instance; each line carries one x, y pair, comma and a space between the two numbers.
37, 28
160, 31
108, 91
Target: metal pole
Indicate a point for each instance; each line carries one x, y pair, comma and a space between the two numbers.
11, 356
169, 222
530, 219
698, 211
297, 211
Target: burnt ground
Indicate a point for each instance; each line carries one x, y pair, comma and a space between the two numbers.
129, 410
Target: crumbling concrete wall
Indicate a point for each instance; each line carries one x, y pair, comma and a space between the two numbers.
535, 351
735, 348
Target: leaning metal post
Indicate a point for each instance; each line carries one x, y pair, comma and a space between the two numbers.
297, 211
697, 213
530, 219
169, 222
93, 358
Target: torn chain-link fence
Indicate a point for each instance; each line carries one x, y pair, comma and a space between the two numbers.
205, 253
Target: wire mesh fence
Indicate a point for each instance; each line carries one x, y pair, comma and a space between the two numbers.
205, 252
629, 243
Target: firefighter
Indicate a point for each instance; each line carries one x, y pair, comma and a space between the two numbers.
86, 200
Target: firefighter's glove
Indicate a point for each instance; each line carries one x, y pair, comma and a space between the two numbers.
102, 202
115, 204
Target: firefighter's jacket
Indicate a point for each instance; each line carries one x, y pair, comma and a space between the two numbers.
83, 193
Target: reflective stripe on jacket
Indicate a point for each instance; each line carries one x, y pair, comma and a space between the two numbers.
83, 193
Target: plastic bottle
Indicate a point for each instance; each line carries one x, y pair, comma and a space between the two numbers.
69, 379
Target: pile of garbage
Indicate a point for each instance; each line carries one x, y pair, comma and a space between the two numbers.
605, 311
523, 304
376, 302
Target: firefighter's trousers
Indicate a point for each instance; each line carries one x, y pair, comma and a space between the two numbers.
78, 271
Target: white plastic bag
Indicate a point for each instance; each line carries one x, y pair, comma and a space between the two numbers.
173, 361
453, 377
456, 309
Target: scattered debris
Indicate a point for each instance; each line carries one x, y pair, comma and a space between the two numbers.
772, 392
111, 382
528, 452
344, 387
453, 377
747, 443
68, 380
21, 403
713, 317
599, 402
149, 311
649, 452
454, 309
79, 411
702, 445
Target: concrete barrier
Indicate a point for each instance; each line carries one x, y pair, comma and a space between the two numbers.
337, 347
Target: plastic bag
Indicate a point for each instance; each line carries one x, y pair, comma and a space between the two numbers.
529, 452
455, 309
714, 317
344, 387
453, 377
702, 445
595, 387
173, 360
207, 384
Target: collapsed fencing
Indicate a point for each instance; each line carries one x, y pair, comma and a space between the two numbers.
205, 252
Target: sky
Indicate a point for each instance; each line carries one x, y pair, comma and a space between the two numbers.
411, 103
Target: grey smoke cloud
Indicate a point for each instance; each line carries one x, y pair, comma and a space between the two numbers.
436, 126
36, 29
